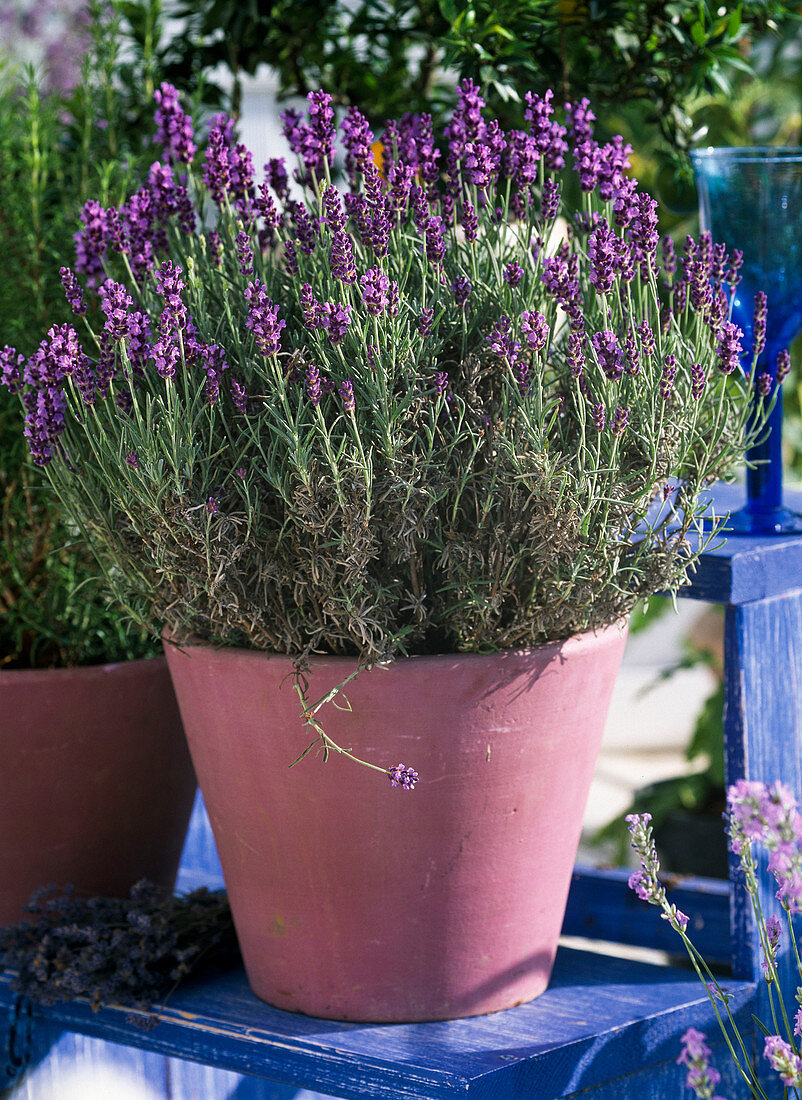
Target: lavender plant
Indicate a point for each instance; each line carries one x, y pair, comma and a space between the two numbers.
759, 818
436, 411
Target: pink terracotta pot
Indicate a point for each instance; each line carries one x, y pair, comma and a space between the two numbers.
356, 901
96, 784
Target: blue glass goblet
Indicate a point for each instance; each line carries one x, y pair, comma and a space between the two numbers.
751, 199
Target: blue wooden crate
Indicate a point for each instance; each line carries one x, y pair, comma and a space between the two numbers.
607, 1028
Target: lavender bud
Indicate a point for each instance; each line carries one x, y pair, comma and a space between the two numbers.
346, 391
783, 365
405, 778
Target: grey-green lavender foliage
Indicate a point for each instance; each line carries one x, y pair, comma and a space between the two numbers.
437, 413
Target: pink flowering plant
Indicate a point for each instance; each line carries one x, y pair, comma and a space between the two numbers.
761, 821
418, 406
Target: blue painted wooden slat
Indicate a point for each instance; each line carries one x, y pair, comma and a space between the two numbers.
601, 1019
602, 907
763, 727
741, 570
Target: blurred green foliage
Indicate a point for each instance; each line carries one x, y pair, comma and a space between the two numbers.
55, 151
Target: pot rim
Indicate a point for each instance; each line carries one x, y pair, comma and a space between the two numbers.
84, 671
573, 643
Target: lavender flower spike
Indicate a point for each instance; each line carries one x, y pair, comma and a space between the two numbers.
263, 319
173, 126
702, 1078
406, 778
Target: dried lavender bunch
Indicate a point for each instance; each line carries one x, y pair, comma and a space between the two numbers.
437, 411
131, 951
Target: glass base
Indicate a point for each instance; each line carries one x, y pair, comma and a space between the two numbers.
777, 521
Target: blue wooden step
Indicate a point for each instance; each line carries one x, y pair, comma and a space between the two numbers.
601, 1019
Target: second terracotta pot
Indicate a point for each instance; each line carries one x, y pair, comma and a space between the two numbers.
96, 783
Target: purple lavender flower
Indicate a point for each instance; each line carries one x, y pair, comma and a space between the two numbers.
759, 322
311, 308
312, 385
170, 285
598, 416
346, 392
668, 376
425, 322
461, 289
698, 381
239, 396
719, 263
587, 162
266, 208
702, 1078
549, 136
735, 265
669, 257
513, 273
166, 354
403, 777
212, 505
603, 256
132, 458
333, 213
58, 356
645, 882
729, 348
11, 363
478, 165
290, 258
440, 382
341, 258
647, 339
576, 355
550, 200
764, 384
644, 233
358, 138
535, 329
313, 143
336, 319
625, 202
217, 164
560, 277
419, 206
277, 177
620, 420
580, 118
44, 421
393, 298
244, 247
115, 301
173, 126
501, 341
769, 815
470, 222
782, 1059
773, 937
613, 163
73, 292
435, 242
375, 285
608, 353
263, 319
91, 241
783, 365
